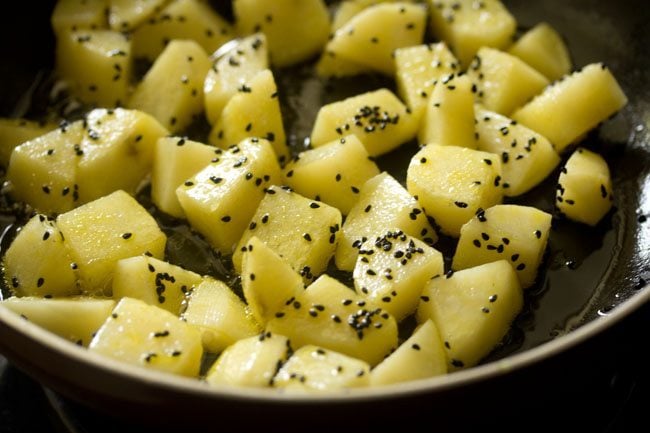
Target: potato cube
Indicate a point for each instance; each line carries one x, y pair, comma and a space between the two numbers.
473, 310
527, 157
296, 30
76, 319
467, 25
330, 315
312, 368
452, 183
175, 160
100, 233
233, 69
181, 19
96, 64
43, 172
37, 262
14, 132
220, 315
150, 337
584, 190
333, 173
515, 233
220, 200
250, 362
419, 357
78, 14
378, 119
253, 112
127, 15
383, 204
417, 68
370, 37
503, 81
302, 231
153, 281
543, 48
172, 89
392, 269
449, 114
115, 138
568, 109
268, 281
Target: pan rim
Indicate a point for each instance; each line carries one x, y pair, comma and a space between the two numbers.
197, 388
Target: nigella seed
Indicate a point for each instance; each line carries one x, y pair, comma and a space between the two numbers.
521, 266
279, 315
307, 237
477, 243
538, 234
460, 204
457, 363
415, 346
314, 205
40, 282
492, 298
46, 236
127, 235
226, 218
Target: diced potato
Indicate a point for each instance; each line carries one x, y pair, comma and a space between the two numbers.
14, 132
349, 8
153, 281
79, 14
312, 368
527, 157
383, 204
150, 337
75, 319
514, 233
584, 190
116, 138
370, 37
100, 233
571, 107
43, 172
467, 25
377, 118
253, 112
251, 362
175, 160
419, 357
392, 269
47, 172
330, 315
269, 283
96, 64
503, 81
452, 183
302, 231
296, 30
181, 19
172, 90
220, 315
234, 69
129, 14
220, 200
333, 173
543, 48
417, 68
473, 310
37, 262
449, 115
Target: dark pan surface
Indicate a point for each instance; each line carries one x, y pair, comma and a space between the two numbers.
588, 273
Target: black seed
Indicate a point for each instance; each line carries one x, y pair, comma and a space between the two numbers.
226, 218
307, 237
415, 346
460, 204
521, 266
40, 282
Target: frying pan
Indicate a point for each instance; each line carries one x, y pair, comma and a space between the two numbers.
594, 280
